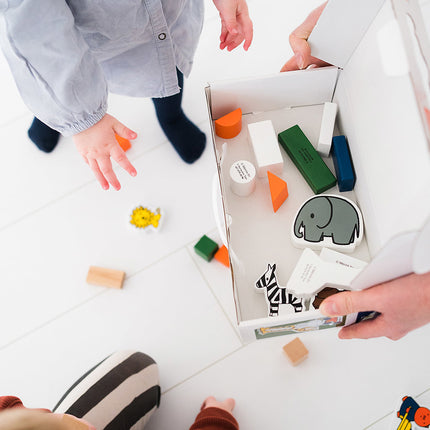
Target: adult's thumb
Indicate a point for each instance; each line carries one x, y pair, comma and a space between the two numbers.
345, 303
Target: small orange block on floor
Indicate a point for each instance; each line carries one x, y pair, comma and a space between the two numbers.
222, 256
105, 277
278, 190
296, 351
230, 125
123, 143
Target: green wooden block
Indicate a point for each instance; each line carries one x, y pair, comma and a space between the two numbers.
307, 159
206, 248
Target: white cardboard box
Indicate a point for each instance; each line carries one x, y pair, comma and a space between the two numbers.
382, 111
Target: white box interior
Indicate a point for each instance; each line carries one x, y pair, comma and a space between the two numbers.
380, 118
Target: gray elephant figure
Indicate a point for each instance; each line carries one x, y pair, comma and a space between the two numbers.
328, 216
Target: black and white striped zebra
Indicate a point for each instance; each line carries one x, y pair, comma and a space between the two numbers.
275, 294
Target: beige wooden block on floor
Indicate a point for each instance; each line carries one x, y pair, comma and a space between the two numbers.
105, 277
296, 351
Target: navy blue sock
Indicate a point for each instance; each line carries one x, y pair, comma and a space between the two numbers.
188, 140
43, 136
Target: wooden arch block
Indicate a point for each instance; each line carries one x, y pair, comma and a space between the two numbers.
230, 125
278, 190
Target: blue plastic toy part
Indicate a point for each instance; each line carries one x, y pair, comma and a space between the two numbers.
343, 164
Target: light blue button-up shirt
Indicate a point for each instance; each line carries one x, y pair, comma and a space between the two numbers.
65, 55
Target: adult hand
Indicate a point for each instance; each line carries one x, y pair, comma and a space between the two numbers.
98, 145
236, 26
403, 304
212, 402
299, 43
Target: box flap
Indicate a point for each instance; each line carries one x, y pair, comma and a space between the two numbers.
340, 29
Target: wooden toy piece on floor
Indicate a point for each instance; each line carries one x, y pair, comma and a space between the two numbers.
105, 277
328, 221
278, 190
242, 178
206, 248
327, 126
123, 143
230, 125
296, 351
343, 164
307, 159
222, 256
265, 147
143, 218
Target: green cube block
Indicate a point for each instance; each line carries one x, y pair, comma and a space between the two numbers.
307, 159
206, 248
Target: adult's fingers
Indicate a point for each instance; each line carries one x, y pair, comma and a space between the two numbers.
377, 327
291, 64
349, 302
105, 166
121, 158
97, 173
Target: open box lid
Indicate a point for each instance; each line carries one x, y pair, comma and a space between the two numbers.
351, 35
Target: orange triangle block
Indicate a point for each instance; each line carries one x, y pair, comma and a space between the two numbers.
230, 125
123, 143
278, 190
222, 256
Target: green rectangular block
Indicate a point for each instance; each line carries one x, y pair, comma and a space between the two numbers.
307, 159
206, 248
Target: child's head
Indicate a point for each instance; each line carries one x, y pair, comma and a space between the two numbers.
422, 417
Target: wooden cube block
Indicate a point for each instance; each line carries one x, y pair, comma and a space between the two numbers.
206, 248
105, 277
296, 351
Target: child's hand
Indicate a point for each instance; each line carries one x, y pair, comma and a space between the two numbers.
98, 145
236, 26
299, 43
211, 402
404, 305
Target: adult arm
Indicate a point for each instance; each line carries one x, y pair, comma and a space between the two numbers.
403, 304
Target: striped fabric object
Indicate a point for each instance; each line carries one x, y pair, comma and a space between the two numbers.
120, 393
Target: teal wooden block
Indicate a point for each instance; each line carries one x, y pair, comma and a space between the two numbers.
206, 248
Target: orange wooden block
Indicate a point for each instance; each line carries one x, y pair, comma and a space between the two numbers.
123, 143
105, 277
278, 190
296, 351
222, 256
229, 126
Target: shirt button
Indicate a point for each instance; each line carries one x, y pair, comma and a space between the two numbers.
162, 36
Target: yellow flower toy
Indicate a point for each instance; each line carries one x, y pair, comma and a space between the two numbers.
142, 218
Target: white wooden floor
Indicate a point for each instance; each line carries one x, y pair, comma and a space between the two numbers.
55, 221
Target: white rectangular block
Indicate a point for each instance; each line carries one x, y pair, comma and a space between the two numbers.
327, 126
266, 148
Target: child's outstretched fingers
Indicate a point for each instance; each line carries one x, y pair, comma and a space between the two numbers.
211, 402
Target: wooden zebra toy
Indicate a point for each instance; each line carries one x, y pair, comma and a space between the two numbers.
276, 295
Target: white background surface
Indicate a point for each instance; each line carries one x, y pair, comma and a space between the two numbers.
55, 221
